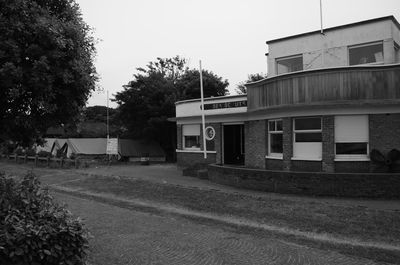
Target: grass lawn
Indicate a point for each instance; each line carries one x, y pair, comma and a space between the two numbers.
310, 216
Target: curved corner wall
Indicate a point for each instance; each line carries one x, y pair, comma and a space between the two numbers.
372, 185
343, 85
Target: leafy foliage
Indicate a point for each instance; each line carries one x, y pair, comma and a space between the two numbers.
241, 87
34, 229
149, 99
46, 66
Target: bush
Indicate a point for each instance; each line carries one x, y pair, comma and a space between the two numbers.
36, 230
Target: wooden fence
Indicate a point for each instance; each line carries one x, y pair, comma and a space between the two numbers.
60, 162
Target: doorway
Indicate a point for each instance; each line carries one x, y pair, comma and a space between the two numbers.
234, 144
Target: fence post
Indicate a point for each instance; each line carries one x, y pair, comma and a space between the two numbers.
48, 161
61, 162
16, 158
36, 160
76, 162
25, 158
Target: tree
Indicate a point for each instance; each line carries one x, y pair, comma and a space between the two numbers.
149, 99
241, 87
46, 66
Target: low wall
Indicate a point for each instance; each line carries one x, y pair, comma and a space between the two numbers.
372, 185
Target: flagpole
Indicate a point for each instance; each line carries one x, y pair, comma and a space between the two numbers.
320, 14
203, 122
107, 118
108, 132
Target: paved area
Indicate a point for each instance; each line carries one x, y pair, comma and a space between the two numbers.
123, 236
169, 174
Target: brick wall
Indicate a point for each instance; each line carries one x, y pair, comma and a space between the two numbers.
255, 143
287, 143
352, 166
306, 166
318, 183
384, 132
179, 137
186, 159
328, 144
384, 135
274, 164
218, 142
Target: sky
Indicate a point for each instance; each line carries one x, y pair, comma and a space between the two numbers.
228, 36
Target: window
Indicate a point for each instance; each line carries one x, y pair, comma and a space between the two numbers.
275, 139
307, 134
191, 136
351, 137
289, 64
366, 53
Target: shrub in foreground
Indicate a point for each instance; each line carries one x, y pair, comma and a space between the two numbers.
36, 230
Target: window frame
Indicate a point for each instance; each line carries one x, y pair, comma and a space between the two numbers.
294, 143
352, 157
184, 139
366, 45
286, 58
276, 131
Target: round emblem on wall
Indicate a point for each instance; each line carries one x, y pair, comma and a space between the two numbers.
210, 133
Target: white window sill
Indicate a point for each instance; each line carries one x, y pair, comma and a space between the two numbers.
306, 159
274, 157
194, 151
352, 158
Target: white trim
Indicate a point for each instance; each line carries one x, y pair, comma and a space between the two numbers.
306, 159
351, 158
197, 151
271, 156
293, 113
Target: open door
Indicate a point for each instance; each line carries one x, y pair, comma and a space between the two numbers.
234, 144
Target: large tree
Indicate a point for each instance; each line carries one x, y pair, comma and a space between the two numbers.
241, 87
46, 66
149, 99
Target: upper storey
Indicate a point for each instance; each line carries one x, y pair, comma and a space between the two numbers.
374, 41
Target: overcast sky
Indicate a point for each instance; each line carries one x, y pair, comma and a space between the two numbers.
227, 35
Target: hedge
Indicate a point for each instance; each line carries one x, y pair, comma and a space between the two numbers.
34, 229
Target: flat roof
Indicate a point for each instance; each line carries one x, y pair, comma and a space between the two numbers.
210, 98
392, 18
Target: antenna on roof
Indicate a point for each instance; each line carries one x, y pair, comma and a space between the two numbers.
320, 12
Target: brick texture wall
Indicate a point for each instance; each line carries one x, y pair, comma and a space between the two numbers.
328, 144
352, 166
384, 135
287, 143
306, 166
255, 143
185, 160
179, 137
218, 142
384, 132
274, 164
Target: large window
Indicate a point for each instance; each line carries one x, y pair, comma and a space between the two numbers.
307, 142
289, 64
351, 137
366, 53
191, 136
275, 139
